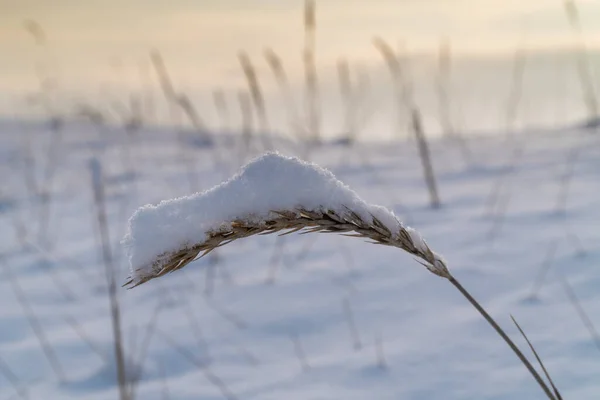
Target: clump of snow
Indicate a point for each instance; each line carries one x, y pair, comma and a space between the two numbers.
270, 182
417, 240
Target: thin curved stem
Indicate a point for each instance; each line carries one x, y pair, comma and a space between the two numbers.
501, 332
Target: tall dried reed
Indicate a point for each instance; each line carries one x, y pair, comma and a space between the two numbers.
348, 98
311, 82
516, 89
97, 183
444, 92
583, 68
405, 103
281, 77
258, 100
348, 223
220, 102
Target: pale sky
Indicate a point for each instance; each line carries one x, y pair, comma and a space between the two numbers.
91, 43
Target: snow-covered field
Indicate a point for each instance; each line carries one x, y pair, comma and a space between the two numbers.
302, 317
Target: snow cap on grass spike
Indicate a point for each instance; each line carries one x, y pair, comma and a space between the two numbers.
270, 194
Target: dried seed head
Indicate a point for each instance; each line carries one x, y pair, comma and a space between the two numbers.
289, 221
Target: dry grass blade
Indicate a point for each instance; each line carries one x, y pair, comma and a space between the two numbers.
344, 79
310, 71
195, 327
583, 65
78, 329
247, 123
256, 94
165, 386
537, 357
589, 325
222, 110
180, 100
97, 182
505, 337
34, 321
349, 315
202, 365
348, 98
63, 287
299, 352
276, 66
445, 102
163, 77
184, 102
516, 89
381, 361
140, 356
543, 270
226, 314
36, 31
396, 65
442, 86
11, 377
389, 56
425, 156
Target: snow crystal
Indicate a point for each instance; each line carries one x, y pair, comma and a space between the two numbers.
270, 182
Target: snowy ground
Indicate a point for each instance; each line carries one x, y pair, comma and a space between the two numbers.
273, 318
